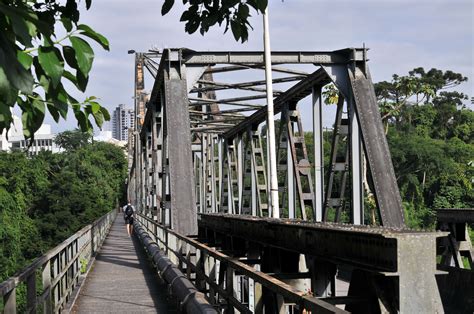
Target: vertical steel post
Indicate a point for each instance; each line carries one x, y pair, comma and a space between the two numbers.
291, 181
318, 152
238, 142
356, 166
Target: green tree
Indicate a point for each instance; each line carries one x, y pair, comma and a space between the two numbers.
71, 140
35, 60
418, 87
47, 197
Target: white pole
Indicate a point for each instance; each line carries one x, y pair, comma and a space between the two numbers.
275, 210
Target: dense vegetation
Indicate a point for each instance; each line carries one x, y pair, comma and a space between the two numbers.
431, 136
46, 198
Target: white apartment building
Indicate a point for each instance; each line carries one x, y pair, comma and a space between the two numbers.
122, 119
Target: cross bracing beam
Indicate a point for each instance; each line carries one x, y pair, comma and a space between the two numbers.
294, 94
215, 86
233, 68
216, 122
204, 101
226, 113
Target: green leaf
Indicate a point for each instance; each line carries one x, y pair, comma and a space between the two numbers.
82, 120
89, 32
5, 117
262, 5
83, 53
25, 59
82, 81
95, 106
99, 119
191, 26
33, 115
105, 113
15, 73
66, 23
88, 4
71, 77
21, 30
25, 12
8, 94
70, 57
60, 98
54, 112
243, 11
167, 5
236, 31
51, 64
185, 16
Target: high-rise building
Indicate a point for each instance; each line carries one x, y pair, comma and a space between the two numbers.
122, 119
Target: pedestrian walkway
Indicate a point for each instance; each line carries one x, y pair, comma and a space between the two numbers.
122, 280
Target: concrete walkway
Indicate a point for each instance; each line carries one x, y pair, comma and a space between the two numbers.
122, 280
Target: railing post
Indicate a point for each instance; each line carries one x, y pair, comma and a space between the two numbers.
31, 293
56, 289
229, 283
9, 302
46, 276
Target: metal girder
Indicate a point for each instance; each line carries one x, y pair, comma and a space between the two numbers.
203, 101
455, 215
406, 280
244, 85
375, 144
254, 66
214, 86
183, 211
293, 95
375, 249
278, 57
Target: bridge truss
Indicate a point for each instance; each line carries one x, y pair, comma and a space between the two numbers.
200, 150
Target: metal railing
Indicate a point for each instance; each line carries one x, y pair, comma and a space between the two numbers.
222, 276
51, 278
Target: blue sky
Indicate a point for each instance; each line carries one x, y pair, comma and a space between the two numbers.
401, 35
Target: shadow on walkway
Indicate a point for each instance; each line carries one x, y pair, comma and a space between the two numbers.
122, 279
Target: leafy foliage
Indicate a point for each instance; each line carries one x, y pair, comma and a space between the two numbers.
71, 140
48, 197
34, 63
430, 134
203, 14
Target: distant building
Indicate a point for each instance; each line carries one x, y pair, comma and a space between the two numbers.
106, 136
44, 139
122, 119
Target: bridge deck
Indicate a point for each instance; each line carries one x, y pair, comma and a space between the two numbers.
122, 280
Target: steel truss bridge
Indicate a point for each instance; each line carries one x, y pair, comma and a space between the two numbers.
199, 179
